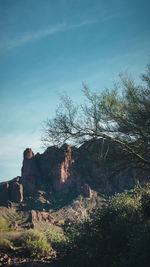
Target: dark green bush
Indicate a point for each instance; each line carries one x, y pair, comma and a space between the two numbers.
4, 226
139, 243
35, 244
31, 235
115, 234
145, 202
5, 244
58, 240
38, 248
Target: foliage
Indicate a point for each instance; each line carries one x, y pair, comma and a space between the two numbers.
58, 240
31, 235
5, 244
145, 202
4, 226
38, 248
35, 244
139, 247
121, 115
14, 237
117, 234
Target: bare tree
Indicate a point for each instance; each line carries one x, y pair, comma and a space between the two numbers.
121, 115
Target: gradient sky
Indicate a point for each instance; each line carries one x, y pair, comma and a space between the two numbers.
48, 47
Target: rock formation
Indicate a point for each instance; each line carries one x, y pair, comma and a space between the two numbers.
52, 169
39, 216
30, 174
98, 164
11, 191
16, 190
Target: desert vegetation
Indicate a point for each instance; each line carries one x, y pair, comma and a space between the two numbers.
116, 234
113, 234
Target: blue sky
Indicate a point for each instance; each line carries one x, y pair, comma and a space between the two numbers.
48, 47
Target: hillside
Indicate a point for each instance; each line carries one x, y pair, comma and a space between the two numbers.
59, 189
96, 165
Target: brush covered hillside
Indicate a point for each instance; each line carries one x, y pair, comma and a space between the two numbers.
85, 206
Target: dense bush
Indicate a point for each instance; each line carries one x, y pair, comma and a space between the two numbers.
38, 248
145, 202
4, 226
117, 234
31, 235
5, 244
139, 253
58, 240
35, 244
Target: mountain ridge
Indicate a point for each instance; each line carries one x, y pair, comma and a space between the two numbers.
98, 165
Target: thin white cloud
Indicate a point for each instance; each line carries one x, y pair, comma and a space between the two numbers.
111, 17
27, 37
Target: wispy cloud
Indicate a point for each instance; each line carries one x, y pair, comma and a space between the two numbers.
24, 38
111, 17
27, 37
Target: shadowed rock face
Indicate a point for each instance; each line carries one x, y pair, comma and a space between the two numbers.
16, 190
104, 166
98, 164
11, 191
30, 174
4, 195
53, 169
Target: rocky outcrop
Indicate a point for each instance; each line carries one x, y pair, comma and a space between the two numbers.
98, 165
86, 191
52, 169
4, 193
11, 191
30, 174
40, 216
104, 166
16, 190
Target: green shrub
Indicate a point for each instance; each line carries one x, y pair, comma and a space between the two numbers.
31, 235
58, 240
14, 237
35, 244
105, 240
38, 248
139, 253
145, 202
5, 245
4, 227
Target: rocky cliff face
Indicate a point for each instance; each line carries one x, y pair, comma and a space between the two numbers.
98, 165
30, 173
11, 191
104, 166
51, 170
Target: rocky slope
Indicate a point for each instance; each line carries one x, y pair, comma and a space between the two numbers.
97, 165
